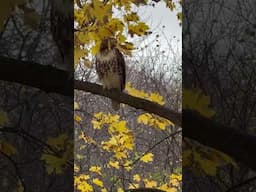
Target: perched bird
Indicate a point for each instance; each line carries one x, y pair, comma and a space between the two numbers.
110, 67
62, 29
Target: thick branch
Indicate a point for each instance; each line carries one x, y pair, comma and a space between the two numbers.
229, 140
238, 145
130, 100
46, 78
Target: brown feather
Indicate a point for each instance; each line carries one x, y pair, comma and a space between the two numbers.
110, 67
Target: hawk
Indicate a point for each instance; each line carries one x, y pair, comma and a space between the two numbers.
110, 67
62, 25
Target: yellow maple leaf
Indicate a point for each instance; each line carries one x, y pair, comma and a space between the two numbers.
136, 178
206, 160
96, 124
120, 154
53, 163
76, 106
171, 5
175, 180
164, 187
97, 182
77, 118
194, 99
76, 168
115, 25
155, 97
128, 141
172, 189
119, 127
147, 157
120, 190
80, 183
98, 115
176, 176
154, 121
125, 47
179, 16
101, 10
20, 187
7, 148
133, 16
209, 167
127, 165
3, 118
150, 183
144, 118
133, 186
160, 125
57, 163
95, 169
114, 164
95, 49
113, 141
120, 38
139, 29
81, 178
113, 118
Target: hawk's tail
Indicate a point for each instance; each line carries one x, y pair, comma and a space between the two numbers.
115, 105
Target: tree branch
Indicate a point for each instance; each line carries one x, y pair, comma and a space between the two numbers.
135, 102
46, 78
238, 145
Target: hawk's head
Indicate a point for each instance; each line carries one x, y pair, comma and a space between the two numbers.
108, 44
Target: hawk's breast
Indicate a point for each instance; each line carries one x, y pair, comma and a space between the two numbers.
108, 70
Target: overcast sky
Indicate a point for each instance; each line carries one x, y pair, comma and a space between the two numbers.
169, 40
159, 16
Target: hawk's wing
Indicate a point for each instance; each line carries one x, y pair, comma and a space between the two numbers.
122, 71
